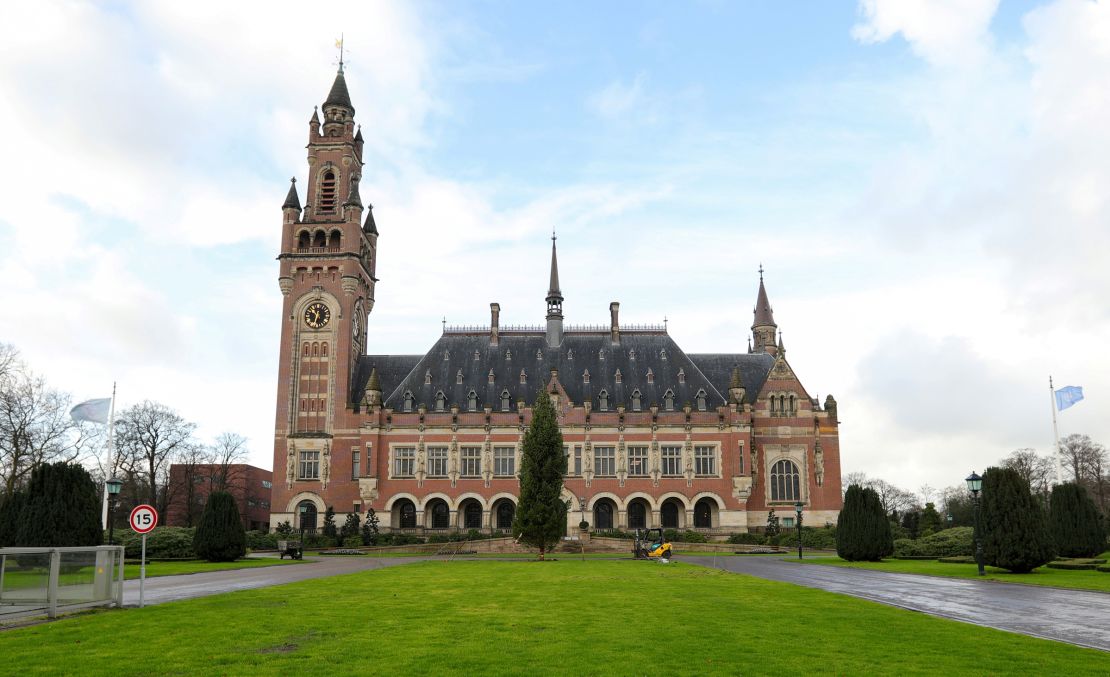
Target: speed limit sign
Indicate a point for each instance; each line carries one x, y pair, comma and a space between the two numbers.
143, 519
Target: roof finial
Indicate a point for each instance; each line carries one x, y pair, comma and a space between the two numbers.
664, 323
339, 46
444, 321
760, 271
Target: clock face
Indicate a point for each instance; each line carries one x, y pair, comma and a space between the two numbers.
316, 315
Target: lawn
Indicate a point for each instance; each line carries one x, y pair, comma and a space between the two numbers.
507, 618
1059, 578
17, 579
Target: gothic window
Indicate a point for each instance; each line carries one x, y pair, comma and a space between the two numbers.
681, 376
504, 461
472, 401
668, 400
335, 239
441, 401
586, 376
784, 481
637, 462
604, 458
441, 515
471, 461
319, 240
793, 406
459, 377
782, 404
504, 400
408, 402
304, 240
437, 461
306, 350
705, 461
635, 400
308, 515
672, 461
324, 349
603, 401
403, 460
701, 400
327, 192
315, 349
310, 465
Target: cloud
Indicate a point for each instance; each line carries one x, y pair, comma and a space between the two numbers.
944, 32
618, 99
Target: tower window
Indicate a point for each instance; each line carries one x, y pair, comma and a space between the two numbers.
335, 239
319, 240
304, 240
327, 192
324, 349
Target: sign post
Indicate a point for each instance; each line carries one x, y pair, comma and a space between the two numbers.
143, 520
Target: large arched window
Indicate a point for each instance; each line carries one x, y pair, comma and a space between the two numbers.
408, 401
668, 400
504, 400
406, 514
603, 401
784, 481
441, 515
637, 515
505, 513
701, 400
668, 515
635, 400
603, 515
472, 515
703, 514
441, 401
472, 401
307, 512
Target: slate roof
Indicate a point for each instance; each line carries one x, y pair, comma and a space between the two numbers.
291, 199
763, 314
579, 352
339, 96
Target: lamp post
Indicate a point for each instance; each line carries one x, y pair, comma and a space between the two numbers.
975, 485
582, 507
303, 509
949, 520
114, 485
798, 513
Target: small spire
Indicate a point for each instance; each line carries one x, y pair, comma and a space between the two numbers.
369, 225
358, 135
339, 96
553, 288
735, 381
291, 199
354, 198
315, 119
375, 383
782, 348
763, 314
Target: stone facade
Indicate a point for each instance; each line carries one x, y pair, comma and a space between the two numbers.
654, 436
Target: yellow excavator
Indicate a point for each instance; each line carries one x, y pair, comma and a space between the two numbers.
650, 544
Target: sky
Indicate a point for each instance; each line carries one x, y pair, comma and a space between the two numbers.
925, 183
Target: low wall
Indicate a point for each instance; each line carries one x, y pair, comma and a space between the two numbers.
626, 545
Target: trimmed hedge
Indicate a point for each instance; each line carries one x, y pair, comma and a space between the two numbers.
162, 543
260, 540
1074, 565
746, 539
947, 543
962, 559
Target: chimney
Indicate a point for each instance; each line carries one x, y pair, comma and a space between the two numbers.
614, 325
494, 316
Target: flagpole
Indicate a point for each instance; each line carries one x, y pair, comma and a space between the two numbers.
108, 466
1056, 433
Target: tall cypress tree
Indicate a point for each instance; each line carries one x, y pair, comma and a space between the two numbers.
60, 507
1014, 529
220, 536
542, 513
1075, 523
862, 529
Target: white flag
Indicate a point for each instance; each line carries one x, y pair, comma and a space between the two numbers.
95, 411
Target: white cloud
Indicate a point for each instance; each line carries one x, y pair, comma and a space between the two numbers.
944, 32
618, 99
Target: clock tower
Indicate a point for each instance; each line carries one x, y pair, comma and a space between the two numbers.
327, 263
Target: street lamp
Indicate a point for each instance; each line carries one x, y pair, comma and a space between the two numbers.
303, 509
114, 485
975, 485
798, 513
582, 507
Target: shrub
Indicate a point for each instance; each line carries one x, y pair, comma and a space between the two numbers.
330, 532
694, 537
746, 538
369, 530
350, 527
260, 540
285, 529
60, 507
399, 539
948, 543
354, 541
672, 535
1015, 532
1074, 565
162, 543
220, 536
863, 530
1075, 523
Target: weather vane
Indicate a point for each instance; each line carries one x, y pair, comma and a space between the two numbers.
339, 46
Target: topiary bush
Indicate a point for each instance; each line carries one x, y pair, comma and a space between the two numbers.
220, 536
948, 543
1015, 532
260, 540
59, 507
863, 530
162, 543
1075, 565
694, 537
1075, 522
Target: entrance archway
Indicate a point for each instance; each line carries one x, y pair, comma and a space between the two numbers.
637, 514
504, 513
703, 514
604, 510
404, 514
308, 516
671, 514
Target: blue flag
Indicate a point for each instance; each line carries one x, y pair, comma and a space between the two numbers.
1067, 396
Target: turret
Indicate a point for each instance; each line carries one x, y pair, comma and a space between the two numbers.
764, 327
554, 303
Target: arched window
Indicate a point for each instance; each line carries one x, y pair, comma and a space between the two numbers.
603, 401
635, 400
703, 514
319, 240
304, 240
793, 406
668, 400
784, 481
586, 376
315, 349
505, 400
668, 515
308, 515
472, 401
441, 401
472, 515
408, 402
505, 513
324, 349
701, 400
603, 515
441, 516
773, 404
306, 349
406, 513
637, 515
327, 192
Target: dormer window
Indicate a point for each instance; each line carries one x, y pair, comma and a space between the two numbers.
539, 354
663, 354
523, 376
617, 376
668, 400
635, 400
505, 400
489, 377
441, 401
603, 401
408, 402
632, 355
601, 354
701, 400
446, 355
475, 355
459, 377
570, 354
428, 377
586, 376
508, 355
651, 376
472, 401
681, 376
327, 192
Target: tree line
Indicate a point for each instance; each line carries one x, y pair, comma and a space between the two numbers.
150, 437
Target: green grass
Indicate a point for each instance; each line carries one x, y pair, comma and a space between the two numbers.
509, 618
1059, 578
14, 580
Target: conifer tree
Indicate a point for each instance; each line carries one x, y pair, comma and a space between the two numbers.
349, 528
330, 532
220, 536
863, 530
1075, 523
60, 507
1014, 529
930, 520
772, 529
370, 528
542, 513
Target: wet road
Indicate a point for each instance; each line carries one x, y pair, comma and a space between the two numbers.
169, 588
1075, 616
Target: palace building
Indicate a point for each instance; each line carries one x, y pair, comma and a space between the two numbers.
654, 436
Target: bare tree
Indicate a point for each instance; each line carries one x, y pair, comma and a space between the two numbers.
858, 477
1037, 471
148, 437
228, 453
1079, 455
894, 499
188, 474
9, 362
927, 492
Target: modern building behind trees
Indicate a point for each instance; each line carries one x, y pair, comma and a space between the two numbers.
190, 486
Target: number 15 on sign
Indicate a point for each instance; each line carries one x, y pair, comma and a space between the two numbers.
143, 520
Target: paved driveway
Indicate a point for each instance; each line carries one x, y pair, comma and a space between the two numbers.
1075, 616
